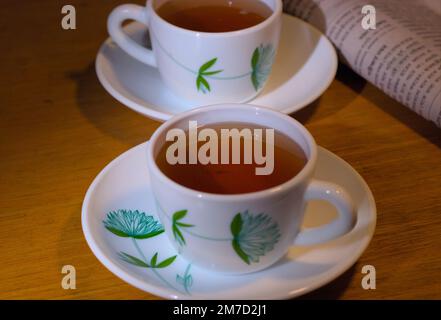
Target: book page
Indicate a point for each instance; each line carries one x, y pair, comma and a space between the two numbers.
402, 56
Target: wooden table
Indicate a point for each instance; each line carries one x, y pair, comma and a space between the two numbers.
59, 128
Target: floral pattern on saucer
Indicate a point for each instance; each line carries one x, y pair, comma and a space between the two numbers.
140, 226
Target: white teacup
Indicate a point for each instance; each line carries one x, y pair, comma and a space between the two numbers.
245, 232
205, 68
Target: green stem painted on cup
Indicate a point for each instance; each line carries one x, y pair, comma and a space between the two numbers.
178, 235
258, 73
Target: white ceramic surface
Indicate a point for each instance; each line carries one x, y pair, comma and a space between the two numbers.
205, 68
124, 184
243, 233
305, 66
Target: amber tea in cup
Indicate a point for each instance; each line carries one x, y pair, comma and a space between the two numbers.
287, 156
214, 15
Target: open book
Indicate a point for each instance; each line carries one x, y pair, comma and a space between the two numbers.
401, 56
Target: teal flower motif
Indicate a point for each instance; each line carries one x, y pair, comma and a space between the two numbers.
186, 280
132, 224
262, 62
138, 225
254, 235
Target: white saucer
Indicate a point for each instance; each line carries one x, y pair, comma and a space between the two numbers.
304, 69
124, 184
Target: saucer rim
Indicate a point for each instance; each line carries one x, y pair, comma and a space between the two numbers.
146, 286
162, 116
94, 246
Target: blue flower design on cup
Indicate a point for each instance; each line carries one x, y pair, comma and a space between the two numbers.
261, 63
254, 235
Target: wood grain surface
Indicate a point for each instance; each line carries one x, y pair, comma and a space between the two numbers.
59, 128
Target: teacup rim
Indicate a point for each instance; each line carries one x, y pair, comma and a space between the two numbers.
277, 12
306, 171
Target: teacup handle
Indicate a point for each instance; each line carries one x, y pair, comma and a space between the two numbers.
114, 27
336, 195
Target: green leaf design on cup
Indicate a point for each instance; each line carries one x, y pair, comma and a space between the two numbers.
177, 224
201, 81
253, 235
132, 224
261, 64
236, 227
